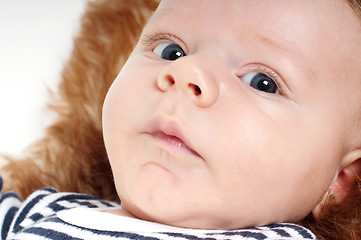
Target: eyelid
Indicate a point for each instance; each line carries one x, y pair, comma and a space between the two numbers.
257, 67
150, 39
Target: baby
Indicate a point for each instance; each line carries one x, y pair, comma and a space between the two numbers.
227, 115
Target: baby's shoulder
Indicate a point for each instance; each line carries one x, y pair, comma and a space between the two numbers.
41, 206
46, 202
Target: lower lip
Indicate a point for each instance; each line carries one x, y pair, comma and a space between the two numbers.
174, 143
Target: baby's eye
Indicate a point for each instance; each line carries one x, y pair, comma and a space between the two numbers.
169, 51
260, 82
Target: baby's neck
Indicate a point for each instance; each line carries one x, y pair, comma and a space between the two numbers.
122, 212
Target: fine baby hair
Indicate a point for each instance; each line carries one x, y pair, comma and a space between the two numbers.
264, 118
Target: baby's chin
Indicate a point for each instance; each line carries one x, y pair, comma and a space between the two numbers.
191, 213
189, 219
204, 222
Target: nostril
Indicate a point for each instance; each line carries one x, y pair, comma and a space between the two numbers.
196, 89
165, 82
171, 80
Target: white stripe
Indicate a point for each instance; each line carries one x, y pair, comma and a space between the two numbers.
6, 205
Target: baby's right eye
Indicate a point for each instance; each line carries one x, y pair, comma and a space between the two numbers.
168, 51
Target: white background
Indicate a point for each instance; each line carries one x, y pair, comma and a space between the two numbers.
35, 40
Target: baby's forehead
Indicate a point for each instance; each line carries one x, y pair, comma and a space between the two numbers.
328, 13
323, 20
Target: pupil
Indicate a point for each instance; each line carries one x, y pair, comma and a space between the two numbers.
175, 55
172, 52
264, 83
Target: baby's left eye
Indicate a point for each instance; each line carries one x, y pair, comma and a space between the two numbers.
169, 51
260, 82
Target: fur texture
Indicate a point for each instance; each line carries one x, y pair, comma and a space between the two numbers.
71, 156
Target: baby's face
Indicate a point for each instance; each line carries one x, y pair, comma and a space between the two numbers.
234, 113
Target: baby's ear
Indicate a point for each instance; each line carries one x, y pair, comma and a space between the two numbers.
350, 169
345, 179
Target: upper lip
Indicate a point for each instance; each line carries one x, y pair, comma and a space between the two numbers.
168, 127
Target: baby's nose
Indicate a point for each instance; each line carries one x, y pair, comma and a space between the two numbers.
192, 78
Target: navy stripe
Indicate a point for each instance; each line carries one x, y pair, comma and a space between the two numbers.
83, 203
47, 190
25, 211
9, 195
50, 234
56, 207
109, 203
277, 228
249, 234
302, 231
127, 235
80, 200
188, 237
104, 233
77, 196
7, 222
281, 232
36, 217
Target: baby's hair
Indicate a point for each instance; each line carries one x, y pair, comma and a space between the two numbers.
339, 221
356, 5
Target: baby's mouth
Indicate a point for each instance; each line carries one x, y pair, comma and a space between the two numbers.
174, 143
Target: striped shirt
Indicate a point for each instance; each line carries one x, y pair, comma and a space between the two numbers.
48, 214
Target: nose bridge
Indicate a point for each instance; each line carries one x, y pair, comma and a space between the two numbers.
193, 76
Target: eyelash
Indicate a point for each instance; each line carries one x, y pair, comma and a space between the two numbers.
257, 67
149, 39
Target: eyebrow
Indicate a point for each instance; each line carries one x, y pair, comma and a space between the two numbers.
291, 51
